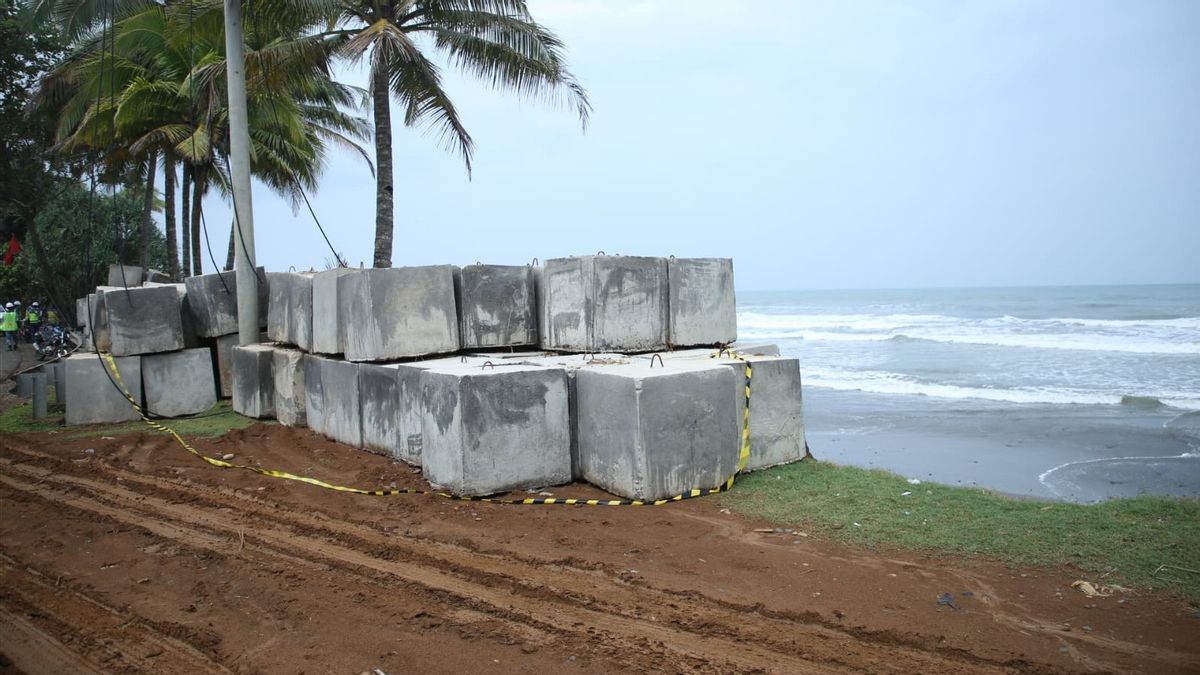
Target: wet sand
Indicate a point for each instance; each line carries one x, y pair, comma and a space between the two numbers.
1074, 453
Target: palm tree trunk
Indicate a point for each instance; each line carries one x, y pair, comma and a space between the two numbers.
197, 223
147, 212
229, 253
169, 216
185, 230
384, 221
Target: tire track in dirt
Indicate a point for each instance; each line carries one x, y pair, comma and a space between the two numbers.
37, 614
560, 601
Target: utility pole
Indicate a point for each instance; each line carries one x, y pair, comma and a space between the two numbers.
239, 168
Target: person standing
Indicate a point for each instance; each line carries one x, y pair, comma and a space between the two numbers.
8, 326
33, 320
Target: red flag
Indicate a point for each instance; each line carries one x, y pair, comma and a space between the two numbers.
14, 247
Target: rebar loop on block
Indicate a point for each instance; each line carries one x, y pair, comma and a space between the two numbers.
660, 360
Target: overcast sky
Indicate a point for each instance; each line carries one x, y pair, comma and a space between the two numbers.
819, 144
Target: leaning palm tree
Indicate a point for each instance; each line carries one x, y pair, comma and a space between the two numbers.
496, 40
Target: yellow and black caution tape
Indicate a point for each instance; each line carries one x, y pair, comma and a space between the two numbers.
743, 457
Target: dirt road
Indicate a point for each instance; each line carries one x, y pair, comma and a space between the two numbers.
128, 555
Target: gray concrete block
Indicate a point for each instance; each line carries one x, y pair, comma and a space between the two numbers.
91, 396
496, 306
570, 364
328, 321
604, 303
703, 310
132, 276
191, 339
331, 398
398, 312
289, 317
392, 407
224, 359
655, 432
494, 429
179, 383
288, 369
157, 276
144, 320
97, 323
212, 301
776, 405
254, 380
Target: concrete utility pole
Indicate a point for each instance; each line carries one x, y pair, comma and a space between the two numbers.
239, 168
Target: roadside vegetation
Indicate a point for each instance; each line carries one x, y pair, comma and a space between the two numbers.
1145, 542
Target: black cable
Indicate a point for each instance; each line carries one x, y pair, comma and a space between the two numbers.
220, 274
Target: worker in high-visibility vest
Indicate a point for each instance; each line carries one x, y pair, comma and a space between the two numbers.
8, 326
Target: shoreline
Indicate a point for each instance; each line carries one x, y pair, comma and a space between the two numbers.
1077, 453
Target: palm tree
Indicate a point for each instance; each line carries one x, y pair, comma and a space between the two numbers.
496, 40
160, 91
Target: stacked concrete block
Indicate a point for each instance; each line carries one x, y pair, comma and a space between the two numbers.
392, 407
703, 310
604, 303
190, 338
497, 306
122, 276
776, 405
92, 397
329, 299
223, 353
289, 315
492, 429
398, 312
650, 432
253, 380
212, 302
144, 320
157, 277
332, 400
571, 364
179, 383
288, 369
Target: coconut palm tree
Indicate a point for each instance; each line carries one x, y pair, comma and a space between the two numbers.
496, 40
159, 91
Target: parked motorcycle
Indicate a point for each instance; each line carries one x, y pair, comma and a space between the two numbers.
53, 342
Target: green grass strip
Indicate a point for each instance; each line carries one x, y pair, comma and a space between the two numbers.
216, 421
1128, 540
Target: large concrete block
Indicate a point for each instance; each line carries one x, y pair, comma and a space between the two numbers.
253, 380
288, 368
93, 398
97, 322
121, 276
493, 429
571, 364
157, 276
703, 310
289, 317
212, 301
190, 338
604, 303
776, 403
179, 383
328, 308
399, 312
496, 306
224, 359
144, 320
331, 399
655, 432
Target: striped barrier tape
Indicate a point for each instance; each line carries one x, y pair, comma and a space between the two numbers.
743, 457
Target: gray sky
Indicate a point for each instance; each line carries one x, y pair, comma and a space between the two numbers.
819, 144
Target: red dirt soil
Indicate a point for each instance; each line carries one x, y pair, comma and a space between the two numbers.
136, 557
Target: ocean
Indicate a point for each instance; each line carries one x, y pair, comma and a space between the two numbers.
1107, 375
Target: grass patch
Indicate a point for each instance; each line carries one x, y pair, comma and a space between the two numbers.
1127, 538
218, 420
